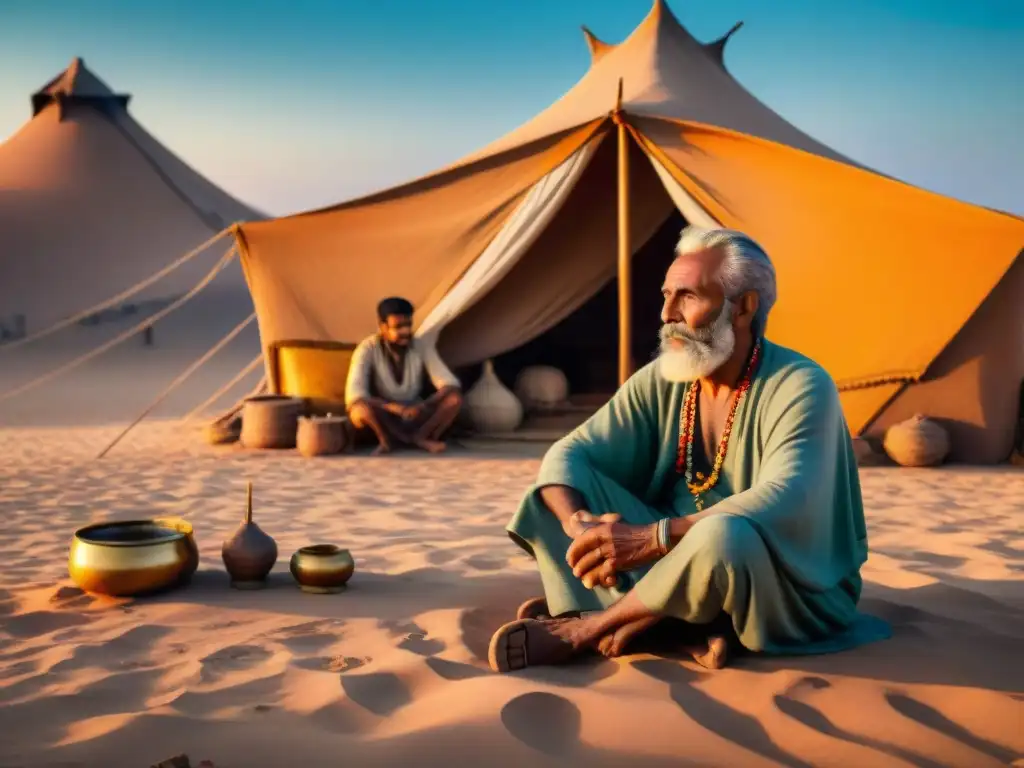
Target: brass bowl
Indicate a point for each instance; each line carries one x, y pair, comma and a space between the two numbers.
322, 569
133, 557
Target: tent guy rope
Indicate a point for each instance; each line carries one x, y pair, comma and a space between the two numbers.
249, 368
149, 321
125, 294
179, 381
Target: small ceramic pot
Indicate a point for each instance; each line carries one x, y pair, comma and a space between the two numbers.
249, 553
322, 569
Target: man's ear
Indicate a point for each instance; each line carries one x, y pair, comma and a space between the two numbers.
749, 304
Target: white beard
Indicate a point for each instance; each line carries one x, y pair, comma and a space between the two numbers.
700, 353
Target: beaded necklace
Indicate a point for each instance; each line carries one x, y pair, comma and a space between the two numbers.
687, 418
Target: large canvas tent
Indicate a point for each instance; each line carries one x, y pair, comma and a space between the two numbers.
91, 203
911, 300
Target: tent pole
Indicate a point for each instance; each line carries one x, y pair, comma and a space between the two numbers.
625, 281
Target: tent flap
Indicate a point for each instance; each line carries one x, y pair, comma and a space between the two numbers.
521, 229
319, 276
896, 270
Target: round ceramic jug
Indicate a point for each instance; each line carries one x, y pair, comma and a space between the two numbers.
249, 553
491, 405
917, 442
541, 387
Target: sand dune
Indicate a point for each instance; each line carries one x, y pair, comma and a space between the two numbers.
393, 671
120, 383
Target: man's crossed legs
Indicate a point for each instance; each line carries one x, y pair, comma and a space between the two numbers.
421, 424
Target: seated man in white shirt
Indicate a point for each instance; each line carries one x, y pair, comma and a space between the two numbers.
384, 390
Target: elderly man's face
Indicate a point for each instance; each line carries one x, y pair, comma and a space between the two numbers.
697, 335
692, 292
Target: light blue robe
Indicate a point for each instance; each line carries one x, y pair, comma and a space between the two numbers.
782, 552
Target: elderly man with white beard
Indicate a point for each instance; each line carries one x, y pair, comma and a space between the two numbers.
716, 495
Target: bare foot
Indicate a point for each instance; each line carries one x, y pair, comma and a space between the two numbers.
615, 644
714, 654
531, 642
431, 446
381, 449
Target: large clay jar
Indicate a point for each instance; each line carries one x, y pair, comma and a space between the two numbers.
321, 435
917, 442
541, 388
250, 553
491, 405
270, 421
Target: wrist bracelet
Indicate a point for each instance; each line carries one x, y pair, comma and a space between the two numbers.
664, 539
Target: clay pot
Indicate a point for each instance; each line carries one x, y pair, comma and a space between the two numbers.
250, 553
491, 405
321, 435
220, 432
270, 421
541, 387
917, 442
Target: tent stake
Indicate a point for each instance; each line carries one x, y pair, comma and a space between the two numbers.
625, 281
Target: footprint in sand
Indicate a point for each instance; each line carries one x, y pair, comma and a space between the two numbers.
335, 664
309, 637
415, 639
234, 658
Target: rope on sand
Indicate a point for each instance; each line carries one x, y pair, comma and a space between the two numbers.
179, 380
125, 294
133, 331
249, 368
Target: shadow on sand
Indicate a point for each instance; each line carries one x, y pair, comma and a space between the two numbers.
930, 644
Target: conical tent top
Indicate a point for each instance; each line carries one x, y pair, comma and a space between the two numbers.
77, 83
716, 48
598, 48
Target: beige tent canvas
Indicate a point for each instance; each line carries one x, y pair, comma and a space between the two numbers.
910, 300
91, 203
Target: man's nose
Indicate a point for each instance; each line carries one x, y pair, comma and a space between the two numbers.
670, 313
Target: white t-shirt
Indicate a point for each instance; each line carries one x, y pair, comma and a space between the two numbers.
371, 373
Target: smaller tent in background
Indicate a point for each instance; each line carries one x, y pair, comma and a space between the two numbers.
909, 299
91, 203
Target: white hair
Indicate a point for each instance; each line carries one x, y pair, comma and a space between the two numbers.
746, 266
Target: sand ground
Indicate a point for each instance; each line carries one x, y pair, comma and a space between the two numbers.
393, 671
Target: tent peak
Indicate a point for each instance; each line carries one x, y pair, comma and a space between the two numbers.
716, 48
660, 10
77, 83
598, 48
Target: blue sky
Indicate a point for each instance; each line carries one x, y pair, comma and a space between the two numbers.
298, 104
